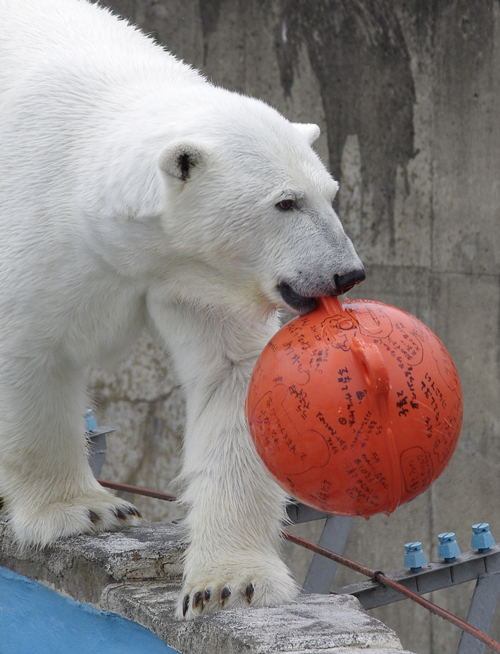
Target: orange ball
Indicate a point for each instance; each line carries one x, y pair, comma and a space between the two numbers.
355, 408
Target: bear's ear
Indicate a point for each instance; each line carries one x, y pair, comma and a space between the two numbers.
309, 130
180, 158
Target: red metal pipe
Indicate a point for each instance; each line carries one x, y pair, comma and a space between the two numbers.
137, 490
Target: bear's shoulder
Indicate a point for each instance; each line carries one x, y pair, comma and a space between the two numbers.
40, 34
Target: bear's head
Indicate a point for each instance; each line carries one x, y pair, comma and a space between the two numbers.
249, 202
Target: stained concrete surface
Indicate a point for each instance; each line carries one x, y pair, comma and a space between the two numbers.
136, 574
83, 566
407, 94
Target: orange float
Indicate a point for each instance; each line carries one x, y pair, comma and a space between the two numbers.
355, 408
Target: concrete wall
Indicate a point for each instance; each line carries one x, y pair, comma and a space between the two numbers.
407, 94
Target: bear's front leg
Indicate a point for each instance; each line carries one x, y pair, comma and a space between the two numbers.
234, 513
235, 510
46, 484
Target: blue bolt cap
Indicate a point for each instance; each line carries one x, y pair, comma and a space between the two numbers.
414, 557
448, 546
90, 420
482, 539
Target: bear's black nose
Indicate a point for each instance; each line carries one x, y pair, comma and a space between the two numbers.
345, 282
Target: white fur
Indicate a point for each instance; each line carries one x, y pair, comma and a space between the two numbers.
102, 232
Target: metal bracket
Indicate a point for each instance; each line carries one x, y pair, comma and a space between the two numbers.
321, 572
334, 536
433, 576
482, 566
485, 567
97, 447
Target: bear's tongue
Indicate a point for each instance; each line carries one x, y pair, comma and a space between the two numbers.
295, 301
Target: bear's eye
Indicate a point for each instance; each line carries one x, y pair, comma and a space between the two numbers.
286, 205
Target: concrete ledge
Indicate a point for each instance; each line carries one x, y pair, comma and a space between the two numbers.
317, 623
83, 566
137, 574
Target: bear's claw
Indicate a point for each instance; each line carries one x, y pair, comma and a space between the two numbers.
93, 516
196, 603
200, 601
249, 591
88, 513
265, 584
118, 513
224, 594
197, 598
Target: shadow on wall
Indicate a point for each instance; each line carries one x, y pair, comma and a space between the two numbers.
359, 55
360, 58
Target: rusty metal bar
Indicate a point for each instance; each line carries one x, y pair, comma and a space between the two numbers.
137, 490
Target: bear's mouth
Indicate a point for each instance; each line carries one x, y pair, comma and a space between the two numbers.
299, 303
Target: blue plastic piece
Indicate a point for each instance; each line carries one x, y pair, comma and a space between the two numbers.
482, 539
35, 619
90, 420
414, 557
448, 547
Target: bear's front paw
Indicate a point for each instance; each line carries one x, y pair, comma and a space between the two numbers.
93, 512
233, 586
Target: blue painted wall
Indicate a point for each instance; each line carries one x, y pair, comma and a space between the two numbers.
37, 620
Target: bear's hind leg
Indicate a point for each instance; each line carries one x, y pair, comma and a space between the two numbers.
47, 486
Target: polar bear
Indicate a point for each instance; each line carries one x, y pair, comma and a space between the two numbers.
133, 192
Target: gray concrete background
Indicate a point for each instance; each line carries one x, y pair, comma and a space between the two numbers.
407, 94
